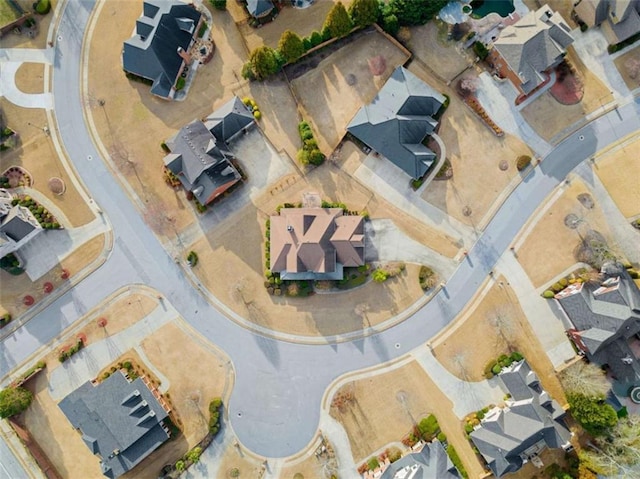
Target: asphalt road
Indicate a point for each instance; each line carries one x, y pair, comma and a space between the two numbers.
275, 404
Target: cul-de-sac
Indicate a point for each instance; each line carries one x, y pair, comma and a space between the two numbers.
319, 239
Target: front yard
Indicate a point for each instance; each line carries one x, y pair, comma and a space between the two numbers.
628, 65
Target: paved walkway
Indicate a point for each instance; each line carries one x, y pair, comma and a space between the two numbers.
87, 363
381, 176
543, 315
10, 60
626, 236
465, 396
337, 436
498, 98
385, 242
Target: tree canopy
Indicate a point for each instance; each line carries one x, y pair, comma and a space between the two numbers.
593, 414
338, 23
364, 12
415, 12
586, 379
290, 46
264, 62
13, 401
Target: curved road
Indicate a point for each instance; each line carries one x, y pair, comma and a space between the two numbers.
275, 404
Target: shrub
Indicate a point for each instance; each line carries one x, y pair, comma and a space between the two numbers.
442, 437
337, 24
488, 369
390, 24
316, 157
557, 287
428, 427
42, 7
453, 455
373, 463
480, 50
192, 258
523, 162
593, 414
164, 147
468, 428
364, 12
516, 356
256, 114
14, 401
380, 275
290, 46
180, 83
634, 274
548, 294
194, 454
315, 38
394, 454
180, 466
412, 12
219, 4
247, 72
495, 369
264, 62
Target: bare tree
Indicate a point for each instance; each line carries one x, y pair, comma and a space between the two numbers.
633, 67
361, 310
460, 361
586, 379
467, 86
501, 319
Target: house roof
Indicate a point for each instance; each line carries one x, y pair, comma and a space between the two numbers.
200, 160
315, 240
152, 52
259, 8
432, 462
229, 119
397, 121
530, 418
119, 420
619, 19
18, 223
533, 44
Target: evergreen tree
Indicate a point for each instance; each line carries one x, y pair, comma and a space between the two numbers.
290, 46
338, 22
364, 12
264, 62
13, 401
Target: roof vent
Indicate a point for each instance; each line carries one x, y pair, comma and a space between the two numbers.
198, 191
289, 228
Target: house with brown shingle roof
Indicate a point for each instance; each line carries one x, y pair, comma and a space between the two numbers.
315, 243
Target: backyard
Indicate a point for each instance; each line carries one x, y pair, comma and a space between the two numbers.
376, 411
550, 119
619, 171
552, 240
628, 65
342, 83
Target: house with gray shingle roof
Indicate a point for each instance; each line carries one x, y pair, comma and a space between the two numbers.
606, 324
259, 8
158, 50
200, 155
120, 421
532, 46
617, 19
18, 226
431, 462
398, 121
531, 421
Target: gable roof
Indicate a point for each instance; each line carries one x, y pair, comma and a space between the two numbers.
619, 19
531, 419
152, 52
229, 119
432, 462
259, 8
18, 223
315, 240
119, 420
605, 318
397, 121
533, 44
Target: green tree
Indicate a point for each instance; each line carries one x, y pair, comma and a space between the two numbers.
364, 12
390, 24
338, 22
593, 414
264, 62
219, 4
13, 401
290, 46
415, 12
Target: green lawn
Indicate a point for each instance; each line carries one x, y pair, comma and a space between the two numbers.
7, 13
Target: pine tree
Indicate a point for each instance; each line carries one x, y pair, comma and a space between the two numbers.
338, 22
364, 12
290, 46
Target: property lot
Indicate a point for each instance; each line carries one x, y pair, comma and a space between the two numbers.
494, 325
12, 40
552, 240
619, 172
471, 147
330, 94
302, 21
164, 355
629, 67
30, 77
549, 118
430, 47
132, 135
385, 407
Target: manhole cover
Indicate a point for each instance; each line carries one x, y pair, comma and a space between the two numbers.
503, 165
89, 157
351, 79
397, 345
466, 211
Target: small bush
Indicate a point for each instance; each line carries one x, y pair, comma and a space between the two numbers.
442, 437
373, 463
453, 455
480, 50
192, 258
380, 275
315, 38
42, 7
496, 369
180, 83
219, 4
523, 162
488, 369
548, 294
180, 466
164, 147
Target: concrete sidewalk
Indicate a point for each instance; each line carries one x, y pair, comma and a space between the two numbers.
12, 92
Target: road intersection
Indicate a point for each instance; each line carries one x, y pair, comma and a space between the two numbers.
275, 405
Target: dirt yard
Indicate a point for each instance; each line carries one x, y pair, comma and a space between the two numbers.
301, 21
35, 152
190, 393
467, 139
12, 40
628, 63
549, 118
14, 288
342, 84
477, 330
132, 136
619, 172
310, 468
30, 77
441, 55
384, 408
247, 465
552, 240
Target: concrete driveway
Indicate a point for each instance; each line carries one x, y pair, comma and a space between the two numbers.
385, 242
